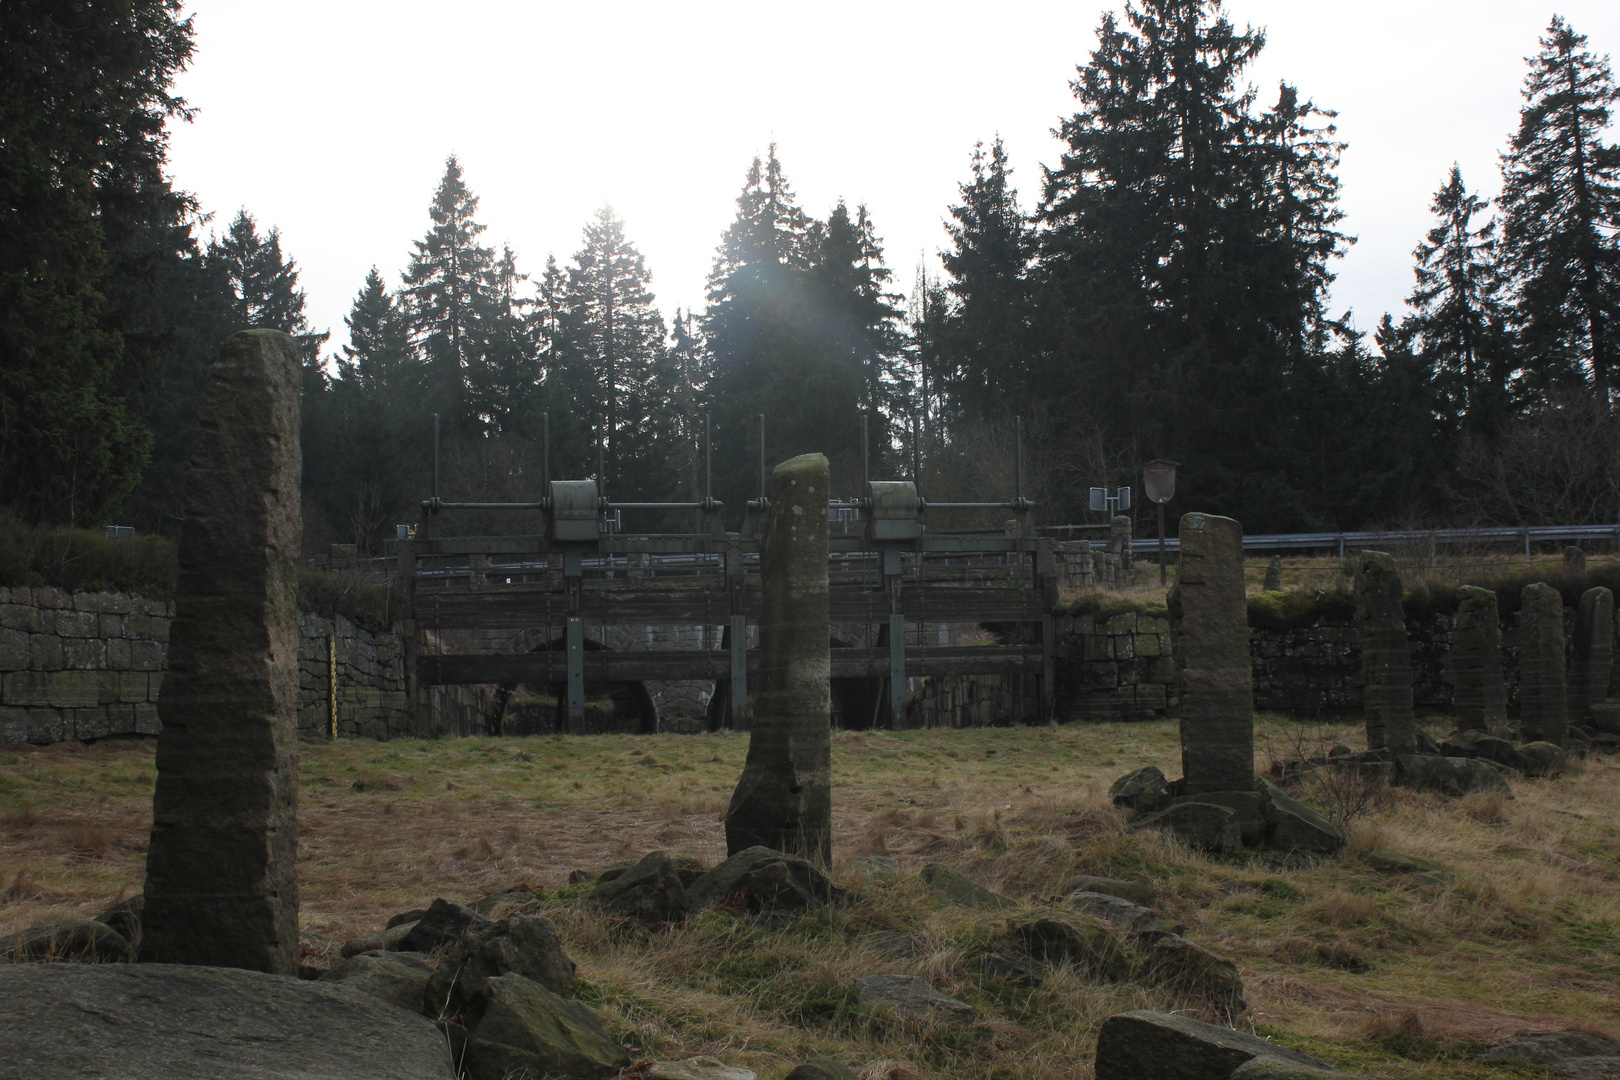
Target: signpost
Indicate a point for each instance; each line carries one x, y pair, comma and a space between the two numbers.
1159, 481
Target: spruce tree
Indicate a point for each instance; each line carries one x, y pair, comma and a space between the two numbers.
263, 284
984, 361
378, 356
1458, 319
1560, 202
448, 287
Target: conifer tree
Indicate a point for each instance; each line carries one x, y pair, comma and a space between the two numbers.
1457, 320
448, 286
985, 363
1560, 202
378, 356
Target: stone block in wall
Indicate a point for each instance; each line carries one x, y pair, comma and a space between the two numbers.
51, 689
111, 626
1146, 645
13, 725
1123, 623
1151, 696
14, 652
78, 624
132, 687
103, 603
1124, 646
24, 617
120, 720
147, 655
154, 683
118, 655
48, 726
1096, 648
44, 652
89, 723
146, 719
147, 627
1101, 675
1152, 624
46, 596
84, 654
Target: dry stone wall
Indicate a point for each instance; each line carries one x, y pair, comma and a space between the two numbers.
89, 665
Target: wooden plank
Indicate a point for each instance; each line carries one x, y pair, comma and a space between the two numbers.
543, 668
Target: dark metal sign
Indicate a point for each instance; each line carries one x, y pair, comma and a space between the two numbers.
1159, 480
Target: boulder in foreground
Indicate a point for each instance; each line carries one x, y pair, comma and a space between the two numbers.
168, 1022
1147, 1045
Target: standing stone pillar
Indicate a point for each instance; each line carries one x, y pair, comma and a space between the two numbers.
221, 885
1479, 692
1273, 582
1543, 696
1209, 628
1574, 561
1119, 542
1386, 659
1593, 653
784, 797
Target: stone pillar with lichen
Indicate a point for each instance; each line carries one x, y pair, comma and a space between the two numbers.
1386, 658
1479, 691
1593, 654
221, 868
784, 798
1209, 634
1543, 695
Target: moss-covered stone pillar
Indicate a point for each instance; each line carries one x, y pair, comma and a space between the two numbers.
1593, 653
1543, 696
1479, 692
784, 798
1386, 659
1209, 633
1273, 582
221, 883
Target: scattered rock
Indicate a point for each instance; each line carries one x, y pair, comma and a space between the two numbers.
1480, 744
698, 1068
1137, 892
1194, 972
396, 977
1267, 1067
526, 945
894, 944
1578, 1055
874, 868
766, 878
1544, 759
391, 939
1248, 808
1606, 743
1121, 913
1145, 790
910, 995
177, 1022
1424, 742
405, 918
1018, 970
1147, 1045
80, 940
1451, 776
823, 1070
1082, 941
958, 890
650, 891
521, 1028
1202, 825
444, 923
1605, 717
1577, 742
1293, 826
1386, 861
125, 917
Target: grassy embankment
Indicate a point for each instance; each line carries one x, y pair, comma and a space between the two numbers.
1394, 975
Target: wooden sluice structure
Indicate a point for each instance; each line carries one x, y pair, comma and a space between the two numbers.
580, 571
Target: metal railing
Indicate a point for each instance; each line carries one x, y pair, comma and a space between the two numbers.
1350, 541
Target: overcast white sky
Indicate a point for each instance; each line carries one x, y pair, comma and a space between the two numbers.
331, 119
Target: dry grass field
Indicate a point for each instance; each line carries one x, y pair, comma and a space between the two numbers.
1387, 974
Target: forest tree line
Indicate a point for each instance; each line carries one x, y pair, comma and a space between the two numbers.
1164, 293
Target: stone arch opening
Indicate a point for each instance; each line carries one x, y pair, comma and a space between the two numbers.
625, 707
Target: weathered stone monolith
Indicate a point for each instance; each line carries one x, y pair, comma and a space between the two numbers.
1386, 662
1479, 692
784, 798
1119, 543
1593, 655
1574, 560
1209, 627
1543, 696
221, 886
1273, 582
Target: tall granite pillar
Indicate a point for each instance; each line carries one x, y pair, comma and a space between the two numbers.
1479, 689
1119, 543
221, 885
1209, 628
1386, 660
784, 798
1593, 652
1543, 696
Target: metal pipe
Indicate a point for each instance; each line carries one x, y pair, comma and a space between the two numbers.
435, 457
601, 462
545, 452
435, 504
1015, 505
708, 471
1018, 459
866, 464
761, 455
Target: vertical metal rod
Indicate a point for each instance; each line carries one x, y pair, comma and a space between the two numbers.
916, 454
1018, 457
708, 472
435, 455
866, 463
762, 455
1161, 545
545, 455
601, 462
